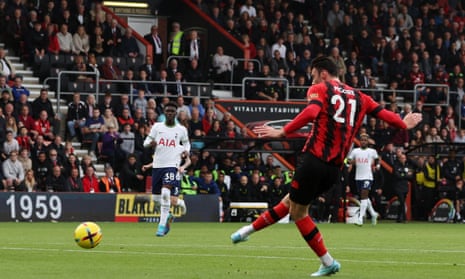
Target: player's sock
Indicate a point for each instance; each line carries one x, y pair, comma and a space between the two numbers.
314, 239
182, 206
370, 208
165, 205
363, 209
270, 216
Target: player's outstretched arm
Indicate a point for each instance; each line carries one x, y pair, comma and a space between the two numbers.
268, 132
412, 119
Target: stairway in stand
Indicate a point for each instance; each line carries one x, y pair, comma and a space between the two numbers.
32, 84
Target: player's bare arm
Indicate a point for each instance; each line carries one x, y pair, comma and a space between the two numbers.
268, 132
187, 161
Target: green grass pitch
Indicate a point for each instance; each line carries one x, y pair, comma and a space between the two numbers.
204, 250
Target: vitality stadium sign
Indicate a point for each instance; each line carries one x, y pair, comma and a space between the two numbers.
249, 111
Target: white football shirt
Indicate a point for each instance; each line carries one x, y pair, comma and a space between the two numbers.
171, 142
363, 160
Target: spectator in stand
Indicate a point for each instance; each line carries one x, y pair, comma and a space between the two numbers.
193, 48
65, 40
93, 130
71, 162
5, 87
29, 184
231, 28
123, 104
242, 190
23, 158
125, 118
81, 42
10, 145
223, 65
113, 39
90, 181
339, 61
144, 84
37, 42
7, 69
56, 182
43, 127
53, 43
110, 183
13, 171
111, 147
42, 169
23, 138
18, 89
132, 177
150, 68
157, 49
107, 103
207, 120
6, 99
249, 45
76, 117
11, 125
16, 31
127, 141
278, 62
206, 184
179, 88
43, 103
73, 181
194, 74
109, 70
140, 102
129, 47
97, 42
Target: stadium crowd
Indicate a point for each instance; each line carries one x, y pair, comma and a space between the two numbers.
398, 43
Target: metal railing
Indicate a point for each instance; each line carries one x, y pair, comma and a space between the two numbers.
244, 80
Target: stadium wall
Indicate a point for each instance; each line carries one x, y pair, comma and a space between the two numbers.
78, 207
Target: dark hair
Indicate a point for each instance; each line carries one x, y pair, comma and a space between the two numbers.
324, 63
171, 104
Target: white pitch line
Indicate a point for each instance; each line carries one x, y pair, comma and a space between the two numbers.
255, 247
29, 249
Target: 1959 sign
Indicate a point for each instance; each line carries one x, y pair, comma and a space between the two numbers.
45, 206
28, 207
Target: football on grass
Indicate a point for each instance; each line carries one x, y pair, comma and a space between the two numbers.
88, 235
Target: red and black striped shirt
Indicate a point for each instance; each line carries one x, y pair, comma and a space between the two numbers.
337, 112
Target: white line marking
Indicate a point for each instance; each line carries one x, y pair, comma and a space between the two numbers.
30, 249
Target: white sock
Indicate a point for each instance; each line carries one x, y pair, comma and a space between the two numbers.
165, 205
371, 209
182, 206
246, 230
326, 259
363, 209
157, 200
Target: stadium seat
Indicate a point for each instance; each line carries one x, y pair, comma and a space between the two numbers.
121, 62
134, 63
77, 86
69, 60
89, 87
57, 61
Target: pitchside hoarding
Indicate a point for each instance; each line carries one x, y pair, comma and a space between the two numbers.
78, 207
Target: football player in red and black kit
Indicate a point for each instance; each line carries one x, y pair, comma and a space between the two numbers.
336, 111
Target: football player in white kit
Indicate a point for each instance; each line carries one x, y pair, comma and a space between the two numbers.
171, 142
364, 159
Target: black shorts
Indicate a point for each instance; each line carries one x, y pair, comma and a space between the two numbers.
312, 178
